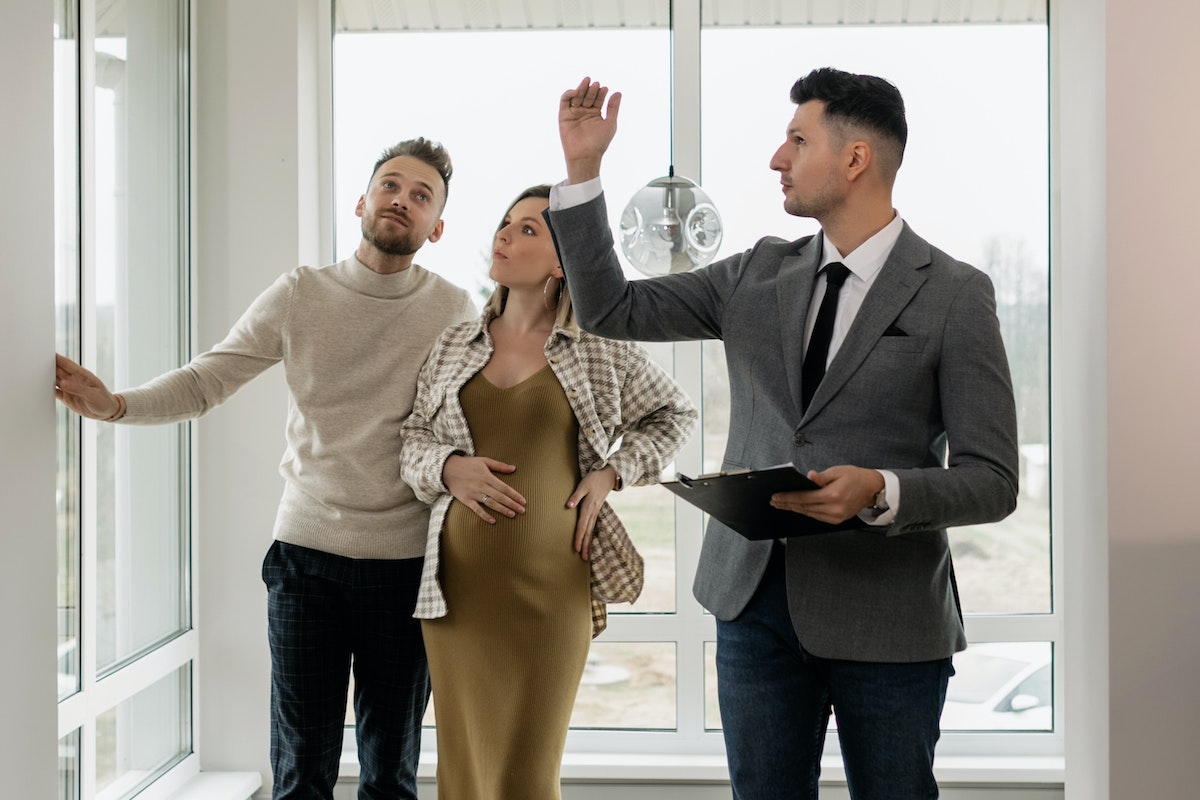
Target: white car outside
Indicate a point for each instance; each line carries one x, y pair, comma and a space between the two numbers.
1001, 686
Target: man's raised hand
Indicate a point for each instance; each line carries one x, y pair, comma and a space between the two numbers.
586, 126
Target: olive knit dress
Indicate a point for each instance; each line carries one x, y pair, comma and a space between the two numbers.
506, 660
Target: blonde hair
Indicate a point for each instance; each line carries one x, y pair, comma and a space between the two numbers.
565, 315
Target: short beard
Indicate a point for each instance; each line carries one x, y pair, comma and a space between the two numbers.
800, 210
811, 208
399, 245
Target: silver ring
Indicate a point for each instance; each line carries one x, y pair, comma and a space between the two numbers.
483, 500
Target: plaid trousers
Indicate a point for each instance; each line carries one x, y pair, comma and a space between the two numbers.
326, 615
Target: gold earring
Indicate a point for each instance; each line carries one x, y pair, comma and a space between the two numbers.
546, 293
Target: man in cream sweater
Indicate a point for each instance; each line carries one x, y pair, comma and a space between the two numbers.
343, 571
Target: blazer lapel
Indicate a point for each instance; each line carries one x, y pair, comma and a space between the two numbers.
794, 288
899, 279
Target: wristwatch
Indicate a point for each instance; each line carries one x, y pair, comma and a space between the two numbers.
881, 503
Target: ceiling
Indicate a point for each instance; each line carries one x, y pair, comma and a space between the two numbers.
454, 15
457, 15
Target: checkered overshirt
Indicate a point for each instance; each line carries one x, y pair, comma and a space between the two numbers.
615, 391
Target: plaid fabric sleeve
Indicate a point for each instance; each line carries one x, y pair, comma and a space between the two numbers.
423, 452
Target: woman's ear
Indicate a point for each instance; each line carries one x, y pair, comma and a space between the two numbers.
558, 273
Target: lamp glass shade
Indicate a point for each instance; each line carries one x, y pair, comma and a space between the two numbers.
670, 225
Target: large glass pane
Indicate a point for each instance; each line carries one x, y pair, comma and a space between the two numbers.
648, 513
139, 276
144, 736
66, 325
716, 404
68, 766
627, 686
506, 137
974, 182
712, 706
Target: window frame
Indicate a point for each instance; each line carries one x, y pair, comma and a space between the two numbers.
690, 627
105, 688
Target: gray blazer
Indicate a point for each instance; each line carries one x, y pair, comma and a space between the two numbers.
920, 386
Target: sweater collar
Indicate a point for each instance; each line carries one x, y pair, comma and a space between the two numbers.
358, 277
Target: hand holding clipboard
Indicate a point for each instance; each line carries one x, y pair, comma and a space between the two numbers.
742, 500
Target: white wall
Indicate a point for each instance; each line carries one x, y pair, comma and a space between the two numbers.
255, 218
29, 732
1153, 397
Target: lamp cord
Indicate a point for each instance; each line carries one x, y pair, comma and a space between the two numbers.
671, 89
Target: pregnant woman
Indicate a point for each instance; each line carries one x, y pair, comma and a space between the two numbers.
510, 441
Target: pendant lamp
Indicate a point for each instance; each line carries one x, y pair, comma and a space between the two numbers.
670, 224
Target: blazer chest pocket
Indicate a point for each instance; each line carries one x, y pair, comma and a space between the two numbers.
901, 344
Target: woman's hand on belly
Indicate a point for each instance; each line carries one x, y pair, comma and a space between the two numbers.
473, 482
589, 496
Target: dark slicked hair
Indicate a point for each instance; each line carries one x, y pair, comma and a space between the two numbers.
422, 149
851, 101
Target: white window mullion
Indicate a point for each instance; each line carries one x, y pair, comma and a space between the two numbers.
689, 525
1016, 628
99, 696
685, 88
147, 670
72, 713
689, 530
87, 447
87, 760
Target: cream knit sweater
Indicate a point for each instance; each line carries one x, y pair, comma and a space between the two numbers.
352, 342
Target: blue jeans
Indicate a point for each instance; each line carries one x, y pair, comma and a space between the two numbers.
325, 615
776, 699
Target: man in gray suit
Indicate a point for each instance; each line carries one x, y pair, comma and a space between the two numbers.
906, 421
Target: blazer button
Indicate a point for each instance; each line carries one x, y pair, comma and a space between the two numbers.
799, 440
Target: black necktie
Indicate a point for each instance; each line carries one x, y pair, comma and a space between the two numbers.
813, 368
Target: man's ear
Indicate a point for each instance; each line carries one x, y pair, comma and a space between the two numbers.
362, 204
858, 158
437, 230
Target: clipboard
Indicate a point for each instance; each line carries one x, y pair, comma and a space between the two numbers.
741, 499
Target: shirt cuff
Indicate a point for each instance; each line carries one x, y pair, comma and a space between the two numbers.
568, 195
891, 485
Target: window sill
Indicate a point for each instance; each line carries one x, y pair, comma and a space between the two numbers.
220, 786
638, 768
